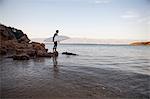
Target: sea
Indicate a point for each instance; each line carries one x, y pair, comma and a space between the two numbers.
127, 58
122, 71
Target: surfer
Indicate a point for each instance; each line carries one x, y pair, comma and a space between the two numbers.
55, 42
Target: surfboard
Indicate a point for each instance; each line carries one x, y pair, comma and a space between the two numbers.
57, 38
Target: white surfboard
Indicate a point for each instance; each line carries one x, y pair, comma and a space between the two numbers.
57, 38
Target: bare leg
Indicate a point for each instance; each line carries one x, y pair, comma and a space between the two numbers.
54, 48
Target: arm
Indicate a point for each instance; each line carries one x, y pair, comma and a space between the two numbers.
54, 37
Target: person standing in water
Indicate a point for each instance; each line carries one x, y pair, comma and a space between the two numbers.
55, 42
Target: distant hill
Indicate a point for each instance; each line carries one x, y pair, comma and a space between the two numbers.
141, 43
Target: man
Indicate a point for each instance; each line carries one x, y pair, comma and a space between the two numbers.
55, 42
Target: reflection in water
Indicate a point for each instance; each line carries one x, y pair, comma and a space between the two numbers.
55, 66
40, 60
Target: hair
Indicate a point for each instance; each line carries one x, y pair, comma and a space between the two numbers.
57, 31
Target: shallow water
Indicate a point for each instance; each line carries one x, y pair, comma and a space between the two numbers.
100, 71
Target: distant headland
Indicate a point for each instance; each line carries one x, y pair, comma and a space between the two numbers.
141, 43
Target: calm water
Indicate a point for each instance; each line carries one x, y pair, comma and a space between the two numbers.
122, 57
99, 72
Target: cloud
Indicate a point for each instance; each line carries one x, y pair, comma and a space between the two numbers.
102, 1
136, 17
130, 14
145, 20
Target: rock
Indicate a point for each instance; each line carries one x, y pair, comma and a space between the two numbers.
6, 33
49, 54
40, 49
141, 43
9, 44
45, 55
32, 53
10, 39
67, 53
3, 51
39, 46
24, 39
9, 33
15, 41
40, 53
55, 54
21, 57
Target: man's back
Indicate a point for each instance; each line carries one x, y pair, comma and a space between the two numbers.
54, 36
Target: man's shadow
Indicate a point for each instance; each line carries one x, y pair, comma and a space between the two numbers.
55, 66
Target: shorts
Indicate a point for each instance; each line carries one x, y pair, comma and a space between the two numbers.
55, 45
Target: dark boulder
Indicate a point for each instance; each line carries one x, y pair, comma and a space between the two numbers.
45, 55
31, 52
55, 54
68, 53
24, 39
21, 57
3, 51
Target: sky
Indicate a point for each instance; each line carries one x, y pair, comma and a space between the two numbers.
99, 19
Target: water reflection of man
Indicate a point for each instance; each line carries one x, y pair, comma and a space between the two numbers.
55, 64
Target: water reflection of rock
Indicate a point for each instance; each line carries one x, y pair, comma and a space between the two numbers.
55, 67
40, 60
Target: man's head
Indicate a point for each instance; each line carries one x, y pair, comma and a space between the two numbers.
57, 31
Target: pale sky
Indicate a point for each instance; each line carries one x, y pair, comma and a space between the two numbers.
100, 19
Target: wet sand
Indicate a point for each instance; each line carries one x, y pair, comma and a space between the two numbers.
40, 79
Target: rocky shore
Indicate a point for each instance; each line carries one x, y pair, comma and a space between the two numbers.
15, 43
141, 43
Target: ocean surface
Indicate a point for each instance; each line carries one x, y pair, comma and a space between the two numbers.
134, 59
117, 71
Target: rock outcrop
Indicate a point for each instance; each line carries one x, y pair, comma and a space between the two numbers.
21, 57
14, 41
141, 43
68, 53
